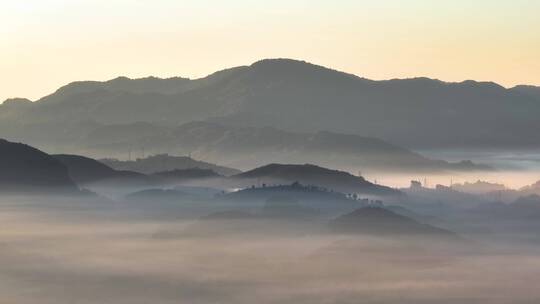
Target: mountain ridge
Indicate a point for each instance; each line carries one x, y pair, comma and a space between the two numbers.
248, 147
299, 97
264, 62
163, 162
26, 169
308, 174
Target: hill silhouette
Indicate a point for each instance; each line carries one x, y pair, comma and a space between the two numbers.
293, 191
294, 96
248, 147
26, 169
308, 174
380, 221
164, 162
307, 197
84, 170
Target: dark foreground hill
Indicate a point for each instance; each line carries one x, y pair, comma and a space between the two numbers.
26, 169
291, 95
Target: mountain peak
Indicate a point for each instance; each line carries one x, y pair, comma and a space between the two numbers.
292, 68
483, 84
280, 60
285, 64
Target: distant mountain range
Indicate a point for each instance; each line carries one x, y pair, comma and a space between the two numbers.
248, 147
291, 95
163, 164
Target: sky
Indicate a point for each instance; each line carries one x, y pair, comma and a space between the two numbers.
45, 44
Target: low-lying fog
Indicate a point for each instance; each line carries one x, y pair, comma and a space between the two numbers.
511, 179
515, 169
88, 254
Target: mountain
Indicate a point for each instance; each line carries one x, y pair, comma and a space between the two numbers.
26, 169
248, 147
379, 221
84, 170
308, 174
164, 162
531, 91
293, 95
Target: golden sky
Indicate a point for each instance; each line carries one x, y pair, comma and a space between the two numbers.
47, 43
